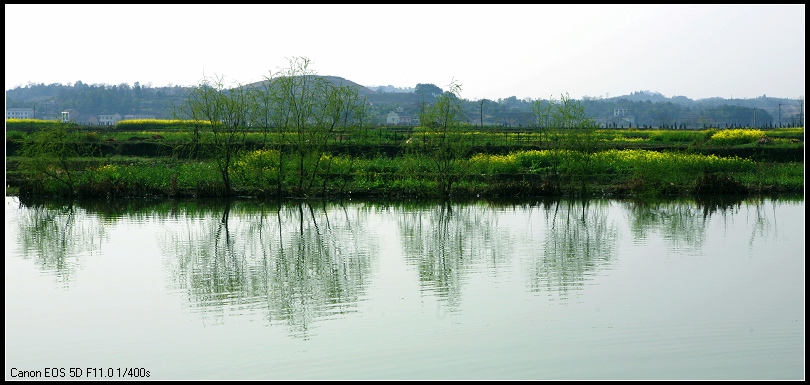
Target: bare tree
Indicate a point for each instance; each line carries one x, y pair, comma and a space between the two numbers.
442, 122
223, 112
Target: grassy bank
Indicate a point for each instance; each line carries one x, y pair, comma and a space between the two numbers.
517, 174
485, 163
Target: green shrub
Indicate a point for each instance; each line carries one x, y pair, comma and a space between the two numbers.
14, 135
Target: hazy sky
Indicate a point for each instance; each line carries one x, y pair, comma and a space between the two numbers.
492, 51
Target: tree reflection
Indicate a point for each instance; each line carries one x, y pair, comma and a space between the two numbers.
763, 220
444, 241
578, 240
291, 262
55, 234
681, 222
722, 205
761, 211
448, 241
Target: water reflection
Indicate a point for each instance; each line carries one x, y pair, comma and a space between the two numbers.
443, 241
764, 220
293, 263
578, 240
308, 290
683, 223
55, 235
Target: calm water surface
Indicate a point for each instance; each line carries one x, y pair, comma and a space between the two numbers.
598, 289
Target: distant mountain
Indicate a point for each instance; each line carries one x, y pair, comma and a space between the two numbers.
391, 89
371, 96
336, 80
87, 101
643, 96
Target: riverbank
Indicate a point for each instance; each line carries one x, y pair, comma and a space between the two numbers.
516, 175
59, 162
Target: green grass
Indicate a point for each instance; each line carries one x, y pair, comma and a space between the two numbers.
619, 172
600, 162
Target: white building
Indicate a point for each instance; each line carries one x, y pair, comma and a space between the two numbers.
20, 113
399, 119
109, 120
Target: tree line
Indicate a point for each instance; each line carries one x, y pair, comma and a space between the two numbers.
635, 110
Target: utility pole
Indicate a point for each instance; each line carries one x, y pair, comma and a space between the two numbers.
780, 115
481, 112
755, 117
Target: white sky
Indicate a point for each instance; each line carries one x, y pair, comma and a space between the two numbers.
492, 51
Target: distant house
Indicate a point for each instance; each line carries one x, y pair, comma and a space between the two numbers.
109, 120
399, 119
19, 113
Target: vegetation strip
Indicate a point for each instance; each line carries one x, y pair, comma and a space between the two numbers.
301, 136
